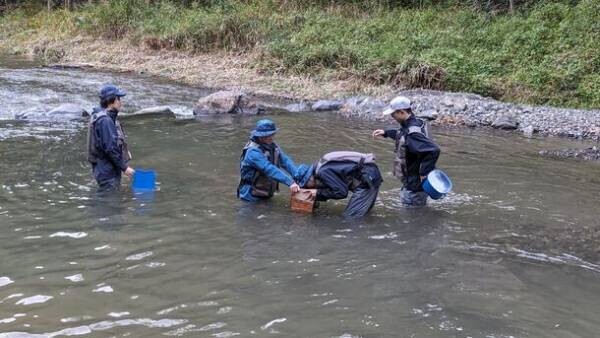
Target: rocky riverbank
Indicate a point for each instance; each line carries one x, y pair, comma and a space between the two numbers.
296, 94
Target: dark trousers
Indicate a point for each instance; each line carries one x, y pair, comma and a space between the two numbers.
109, 185
362, 200
413, 198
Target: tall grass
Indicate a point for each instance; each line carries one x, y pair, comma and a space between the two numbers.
549, 54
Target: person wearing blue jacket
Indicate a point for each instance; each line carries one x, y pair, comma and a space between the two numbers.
335, 179
262, 164
107, 146
416, 154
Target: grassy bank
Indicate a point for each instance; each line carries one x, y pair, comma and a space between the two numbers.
548, 54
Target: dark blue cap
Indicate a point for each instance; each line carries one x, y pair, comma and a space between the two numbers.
109, 90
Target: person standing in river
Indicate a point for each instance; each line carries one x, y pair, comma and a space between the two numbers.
107, 145
261, 165
415, 153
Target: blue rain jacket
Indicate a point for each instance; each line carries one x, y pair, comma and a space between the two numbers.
110, 161
255, 160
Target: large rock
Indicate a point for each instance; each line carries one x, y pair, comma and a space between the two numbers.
226, 102
428, 114
362, 107
297, 107
68, 110
507, 122
324, 105
152, 111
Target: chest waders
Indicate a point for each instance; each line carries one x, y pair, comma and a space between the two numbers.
92, 139
352, 156
400, 169
262, 185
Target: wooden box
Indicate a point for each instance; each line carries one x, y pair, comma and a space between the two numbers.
304, 200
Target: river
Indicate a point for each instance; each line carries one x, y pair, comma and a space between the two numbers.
512, 252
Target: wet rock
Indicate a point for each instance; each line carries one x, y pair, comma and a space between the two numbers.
427, 114
506, 122
152, 111
528, 131
68, 110
324, 105
363, 107
350, 106
226, 102
370, 106
297, 107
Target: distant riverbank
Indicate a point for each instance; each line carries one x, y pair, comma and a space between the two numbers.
67, 38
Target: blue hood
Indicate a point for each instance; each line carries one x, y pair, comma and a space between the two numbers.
303, 174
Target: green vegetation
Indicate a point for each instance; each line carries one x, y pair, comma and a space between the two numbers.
546, 53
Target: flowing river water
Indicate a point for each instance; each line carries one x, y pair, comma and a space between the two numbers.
514, 251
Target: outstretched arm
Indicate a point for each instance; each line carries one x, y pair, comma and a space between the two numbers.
258, 160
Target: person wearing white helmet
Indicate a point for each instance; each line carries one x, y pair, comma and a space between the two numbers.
415, 153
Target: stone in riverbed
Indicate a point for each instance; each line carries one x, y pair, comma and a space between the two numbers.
363, 107
226, 102
528, 131
429, 114
152, 111
507, 122
297, 107
323, 105
68, 110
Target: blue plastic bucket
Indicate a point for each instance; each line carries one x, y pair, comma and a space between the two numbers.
144, 180
437, 184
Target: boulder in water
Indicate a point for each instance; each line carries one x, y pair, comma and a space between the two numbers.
297, 107
429, 114
227, 102
507, 122
69, 110
363, 107
152, 111
324, 105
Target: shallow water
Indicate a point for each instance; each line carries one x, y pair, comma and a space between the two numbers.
512, 252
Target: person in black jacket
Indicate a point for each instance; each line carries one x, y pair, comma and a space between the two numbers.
107, 146
335, 179
416, 154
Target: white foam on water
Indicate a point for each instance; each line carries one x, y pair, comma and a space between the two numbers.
139, 256
105, 289
273, 322
333, 301
226, 334
74, 319
69, 234
5, 281
100, 326
102, 247
118, 314
75, 278
391, 235
37, 299
212, 326
224, 310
